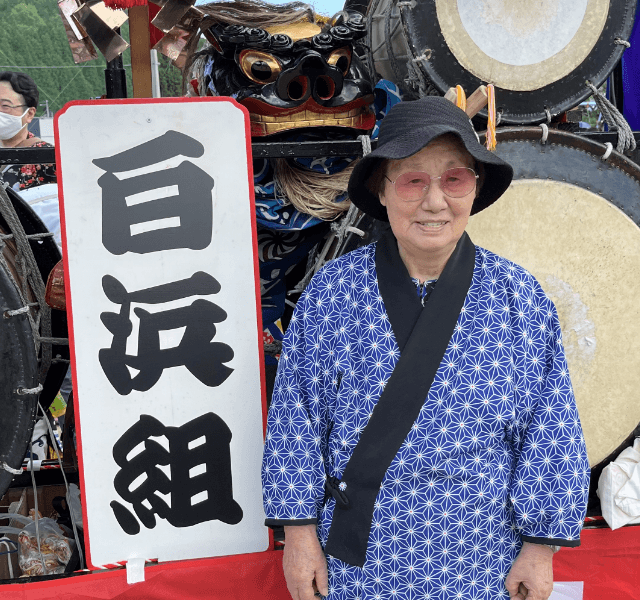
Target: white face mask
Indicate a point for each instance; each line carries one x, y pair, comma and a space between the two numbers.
10, 125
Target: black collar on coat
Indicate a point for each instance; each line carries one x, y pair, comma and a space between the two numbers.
422, 335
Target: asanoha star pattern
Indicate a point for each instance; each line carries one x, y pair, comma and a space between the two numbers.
496, 453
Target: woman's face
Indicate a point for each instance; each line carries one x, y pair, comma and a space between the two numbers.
10, 98
435, 223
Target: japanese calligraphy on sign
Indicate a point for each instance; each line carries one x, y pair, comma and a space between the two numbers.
160, 254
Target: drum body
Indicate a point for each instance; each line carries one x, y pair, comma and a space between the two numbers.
20, 366
18, 371
573, 221
539, 55
388, 44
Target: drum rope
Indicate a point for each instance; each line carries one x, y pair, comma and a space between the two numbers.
387, 35
548, 113
369, 39
6, 467
28, 267
29, 391
545, 133
19, 311
615, 120
384, 42
622, 42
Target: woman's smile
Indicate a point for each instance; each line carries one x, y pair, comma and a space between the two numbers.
430, 226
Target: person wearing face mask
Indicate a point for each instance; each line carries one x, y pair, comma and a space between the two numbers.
18, 104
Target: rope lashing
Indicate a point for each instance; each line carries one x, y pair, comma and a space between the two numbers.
29, 236
6, 467
545, 133
491, 113
417, 79
365, 140
31, 280
17, 311
548, 113
29, 391
407, 4
335, 242
388, 38
622, 42
608, 151
356, 231
613, 118
426, 55
347, 224
54, 340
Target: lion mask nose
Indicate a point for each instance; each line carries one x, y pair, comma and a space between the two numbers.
310, 76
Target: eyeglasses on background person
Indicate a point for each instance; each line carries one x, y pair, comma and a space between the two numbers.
6, 107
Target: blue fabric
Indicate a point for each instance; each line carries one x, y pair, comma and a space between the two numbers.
496, 452
631, 78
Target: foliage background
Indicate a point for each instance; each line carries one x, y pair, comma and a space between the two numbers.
32, 35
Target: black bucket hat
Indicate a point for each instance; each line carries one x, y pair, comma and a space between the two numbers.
410, 126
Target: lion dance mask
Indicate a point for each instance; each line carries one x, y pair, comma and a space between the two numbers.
301, 79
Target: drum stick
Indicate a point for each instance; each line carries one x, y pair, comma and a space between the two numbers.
477, 101
451, 95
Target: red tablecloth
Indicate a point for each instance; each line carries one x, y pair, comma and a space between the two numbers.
242, 577
608, 562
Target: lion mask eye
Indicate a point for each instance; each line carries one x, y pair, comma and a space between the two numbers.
340, 58
258, 66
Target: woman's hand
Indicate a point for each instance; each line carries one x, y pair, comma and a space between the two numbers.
304, 562
531, 575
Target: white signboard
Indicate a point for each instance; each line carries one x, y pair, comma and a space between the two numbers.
160, 256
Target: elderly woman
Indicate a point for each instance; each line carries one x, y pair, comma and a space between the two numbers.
423, 433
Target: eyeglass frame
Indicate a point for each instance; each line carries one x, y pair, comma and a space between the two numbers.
431, 179
11, 106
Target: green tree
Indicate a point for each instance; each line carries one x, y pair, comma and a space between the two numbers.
33, 40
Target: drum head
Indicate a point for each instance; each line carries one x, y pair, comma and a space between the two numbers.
539, 55
573, 220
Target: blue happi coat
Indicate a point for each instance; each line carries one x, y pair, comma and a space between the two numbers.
497, 454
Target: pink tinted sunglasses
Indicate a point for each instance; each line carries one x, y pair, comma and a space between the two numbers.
455, 183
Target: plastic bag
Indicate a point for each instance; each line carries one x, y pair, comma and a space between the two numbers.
619, 488
55, 549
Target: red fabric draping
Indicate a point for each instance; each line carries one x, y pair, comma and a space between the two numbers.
607, 561
155, 35
242, 577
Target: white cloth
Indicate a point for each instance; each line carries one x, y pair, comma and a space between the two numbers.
619, 488
43, 199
